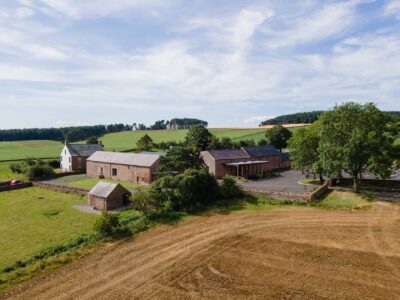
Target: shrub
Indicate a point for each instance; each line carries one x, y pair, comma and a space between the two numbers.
39, 171
184, 192
107, 225
194, 188
149, 201
229, 188
16, 167
55, 164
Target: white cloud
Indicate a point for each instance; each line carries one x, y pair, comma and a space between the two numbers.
24, 12
330, 20
392, 8
98, 8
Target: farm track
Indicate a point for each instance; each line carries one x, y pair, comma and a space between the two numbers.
290, 253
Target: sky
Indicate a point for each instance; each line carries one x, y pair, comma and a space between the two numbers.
232, 63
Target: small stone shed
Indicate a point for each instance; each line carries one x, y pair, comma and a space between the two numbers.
108, 196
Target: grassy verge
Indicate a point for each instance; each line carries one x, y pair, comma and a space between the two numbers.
309, 182
82, 181
345, 201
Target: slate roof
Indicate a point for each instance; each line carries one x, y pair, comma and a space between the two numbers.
83, 149
228, 154
244, 152
103, 189
262, 151
131, 159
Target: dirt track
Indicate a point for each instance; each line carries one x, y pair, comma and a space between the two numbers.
290, 253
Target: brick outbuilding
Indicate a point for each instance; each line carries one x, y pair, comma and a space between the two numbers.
108, 196
134, 167
245, 162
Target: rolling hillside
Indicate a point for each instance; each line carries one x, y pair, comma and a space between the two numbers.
117, 141
25, 149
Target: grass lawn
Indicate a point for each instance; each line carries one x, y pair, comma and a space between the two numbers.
29, 149
345, 200
82, 181
33, 219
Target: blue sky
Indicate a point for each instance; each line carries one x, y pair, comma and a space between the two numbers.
232, 63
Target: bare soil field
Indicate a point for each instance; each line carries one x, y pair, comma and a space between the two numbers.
289, 253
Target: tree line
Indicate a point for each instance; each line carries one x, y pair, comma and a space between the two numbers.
308, 118
78, 133
75, 133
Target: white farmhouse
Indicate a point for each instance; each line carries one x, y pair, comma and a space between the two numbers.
73, 156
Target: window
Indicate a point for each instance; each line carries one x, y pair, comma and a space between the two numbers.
114, 172
142, 179
65, 151
101, 171
79, 159
69, 159
137, 178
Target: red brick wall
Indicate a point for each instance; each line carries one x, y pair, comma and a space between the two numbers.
124, 172
78, 166
219, 169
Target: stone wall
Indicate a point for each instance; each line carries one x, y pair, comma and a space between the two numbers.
381, 183
18, 186
61, 188
286, 195
56, 175
321, 191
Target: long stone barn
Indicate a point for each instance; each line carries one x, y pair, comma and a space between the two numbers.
245, 162
134, 167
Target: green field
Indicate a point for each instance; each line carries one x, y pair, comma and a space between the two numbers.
127, 139
27, 149
33, 219
119, 141
82, 181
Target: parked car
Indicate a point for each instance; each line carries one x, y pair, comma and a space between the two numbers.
16, 181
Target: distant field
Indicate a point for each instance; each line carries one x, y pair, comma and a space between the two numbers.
33, 219
25, 149
119, 141
127, 139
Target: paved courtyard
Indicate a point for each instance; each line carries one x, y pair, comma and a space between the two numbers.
286, 182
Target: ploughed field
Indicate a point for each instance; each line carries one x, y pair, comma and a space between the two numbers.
292, 252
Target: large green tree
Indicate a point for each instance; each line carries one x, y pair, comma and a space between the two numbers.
198, 138
278, 136
179, 159
145, 143
354, 138
304, 152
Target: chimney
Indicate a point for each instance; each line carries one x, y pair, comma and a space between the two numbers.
65, 142
100, 143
